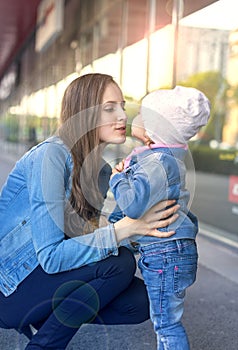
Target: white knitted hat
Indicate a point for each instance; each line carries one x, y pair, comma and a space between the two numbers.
174, 116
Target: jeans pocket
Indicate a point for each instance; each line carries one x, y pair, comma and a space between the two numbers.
184, 276
151, 262
151, 269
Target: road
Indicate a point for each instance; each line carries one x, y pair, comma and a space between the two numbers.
211, 307
211, 203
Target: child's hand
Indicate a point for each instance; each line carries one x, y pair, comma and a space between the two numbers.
118, 168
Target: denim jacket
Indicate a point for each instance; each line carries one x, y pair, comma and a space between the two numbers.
154, 174
32, 204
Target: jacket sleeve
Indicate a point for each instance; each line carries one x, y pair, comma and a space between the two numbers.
46, 186
140, 187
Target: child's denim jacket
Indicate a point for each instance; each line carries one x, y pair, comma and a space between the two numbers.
154, 174
32, 204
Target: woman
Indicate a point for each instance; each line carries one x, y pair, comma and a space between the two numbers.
56, 190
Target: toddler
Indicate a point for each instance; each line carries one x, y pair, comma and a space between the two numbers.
168, 119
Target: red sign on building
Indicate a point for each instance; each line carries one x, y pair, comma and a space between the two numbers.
233, 189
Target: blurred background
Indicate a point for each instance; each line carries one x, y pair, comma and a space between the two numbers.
144, 45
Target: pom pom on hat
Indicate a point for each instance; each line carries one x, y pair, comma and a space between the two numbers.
174, 116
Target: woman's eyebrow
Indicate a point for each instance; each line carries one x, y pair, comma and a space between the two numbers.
115, 102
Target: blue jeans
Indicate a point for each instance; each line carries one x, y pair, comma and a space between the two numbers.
168, 269
106, 292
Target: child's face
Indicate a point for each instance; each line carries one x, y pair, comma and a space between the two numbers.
138, 130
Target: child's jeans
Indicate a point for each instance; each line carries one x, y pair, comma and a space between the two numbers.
168, 269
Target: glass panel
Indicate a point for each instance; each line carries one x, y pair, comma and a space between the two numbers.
207, 58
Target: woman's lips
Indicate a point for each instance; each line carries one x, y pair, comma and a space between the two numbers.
121, 129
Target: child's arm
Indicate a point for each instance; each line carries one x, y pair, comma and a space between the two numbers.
138, 188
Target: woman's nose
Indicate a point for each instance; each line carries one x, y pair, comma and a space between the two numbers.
121, 114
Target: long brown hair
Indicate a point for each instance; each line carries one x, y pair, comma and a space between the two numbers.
79, 117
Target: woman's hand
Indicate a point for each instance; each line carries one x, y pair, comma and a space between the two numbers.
156, 218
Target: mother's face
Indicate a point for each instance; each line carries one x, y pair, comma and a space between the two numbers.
112, 124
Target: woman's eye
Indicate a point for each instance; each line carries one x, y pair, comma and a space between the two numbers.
110, 109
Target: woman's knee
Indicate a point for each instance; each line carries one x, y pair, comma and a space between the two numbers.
127, 261
122, 266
